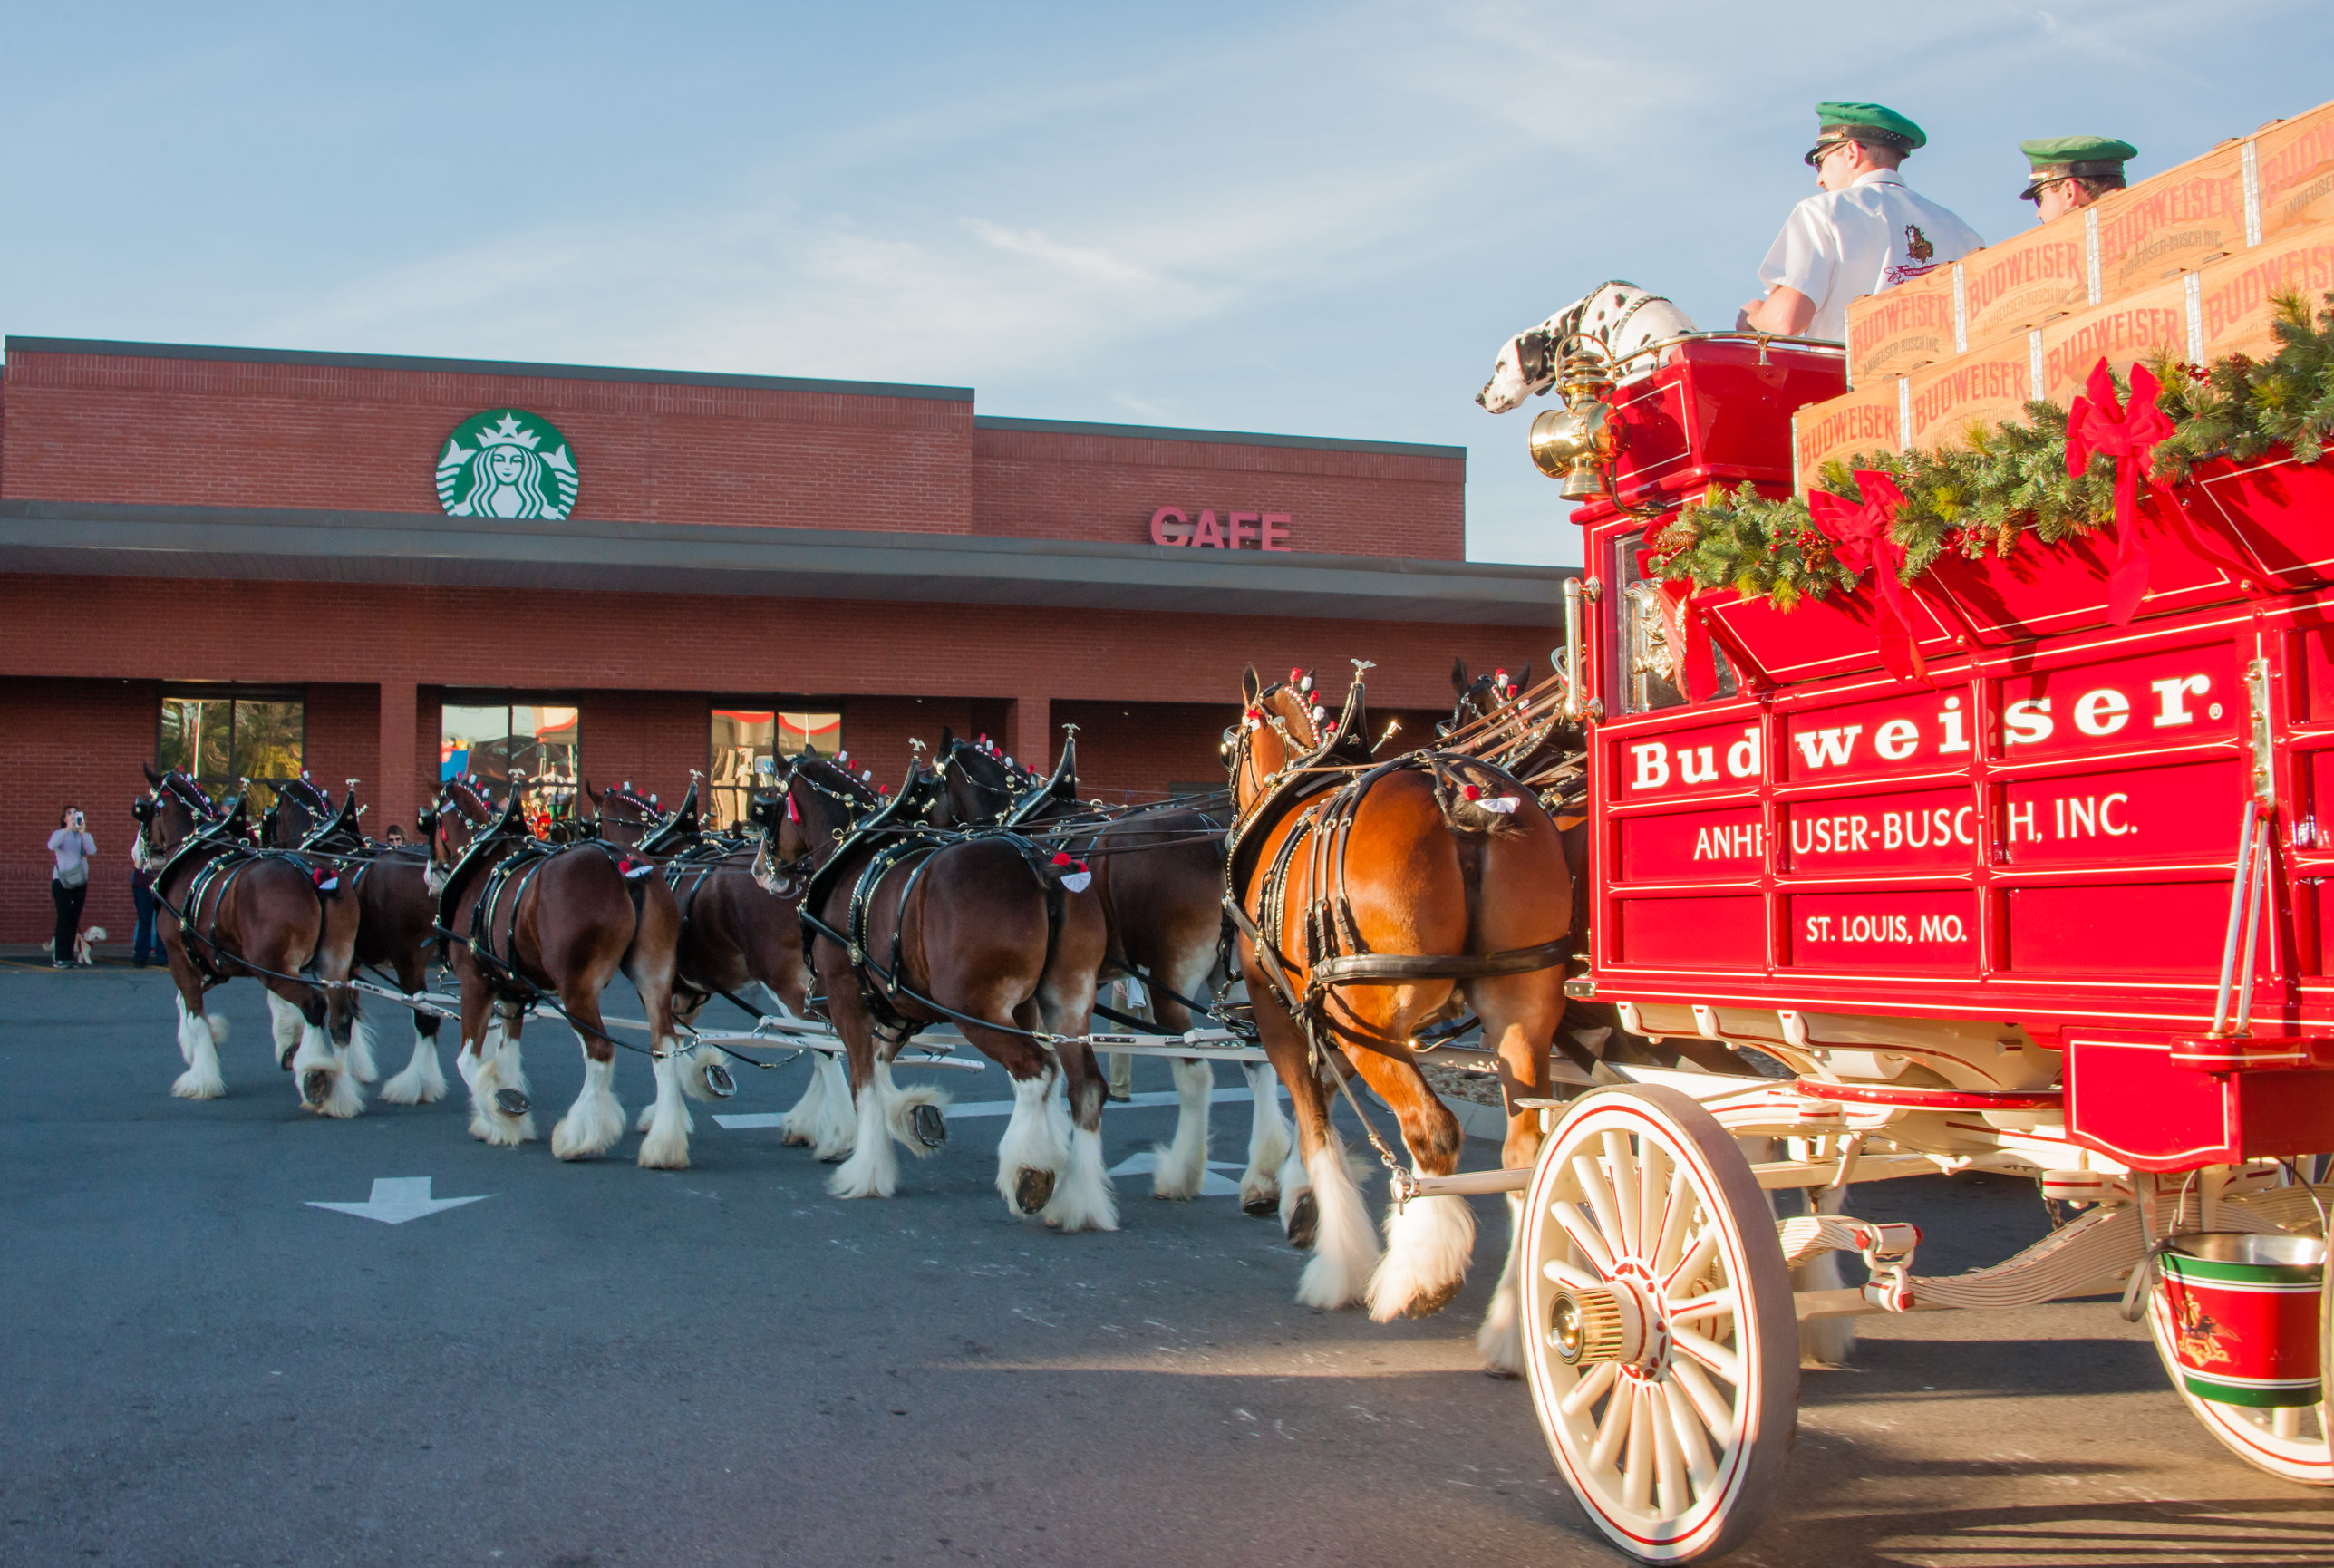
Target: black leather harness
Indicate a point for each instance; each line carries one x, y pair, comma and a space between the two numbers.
1334, 952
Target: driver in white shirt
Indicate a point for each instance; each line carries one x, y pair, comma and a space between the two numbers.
1864, 233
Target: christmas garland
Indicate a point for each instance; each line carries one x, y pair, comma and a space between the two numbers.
1976, 498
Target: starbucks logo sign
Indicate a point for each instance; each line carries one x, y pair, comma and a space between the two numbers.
507, 463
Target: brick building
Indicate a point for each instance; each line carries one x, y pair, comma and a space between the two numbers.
250, 562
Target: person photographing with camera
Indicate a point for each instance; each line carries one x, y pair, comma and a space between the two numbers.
71, 845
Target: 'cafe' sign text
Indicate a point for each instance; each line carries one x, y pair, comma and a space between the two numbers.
1261, 530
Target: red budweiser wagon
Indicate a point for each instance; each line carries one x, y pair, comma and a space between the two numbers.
2059, 911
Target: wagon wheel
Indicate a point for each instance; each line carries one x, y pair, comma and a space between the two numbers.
1660, 1340
2295, 1442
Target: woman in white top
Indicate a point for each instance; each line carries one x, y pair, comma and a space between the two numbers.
71, 845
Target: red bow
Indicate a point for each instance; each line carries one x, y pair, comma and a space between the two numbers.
2098, 425
1861, 539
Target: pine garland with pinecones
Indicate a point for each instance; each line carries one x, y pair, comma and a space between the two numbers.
1976, 497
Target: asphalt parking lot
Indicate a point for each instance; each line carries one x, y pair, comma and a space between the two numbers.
595, 1364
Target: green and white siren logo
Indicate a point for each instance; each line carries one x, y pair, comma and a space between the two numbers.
507, 463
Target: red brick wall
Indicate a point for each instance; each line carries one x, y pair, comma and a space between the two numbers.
79, 741
82, 656
1059, 485
344, 739
213, 433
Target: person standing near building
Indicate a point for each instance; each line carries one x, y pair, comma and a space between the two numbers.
2070, 172
144, 947
1865, 232
71, 846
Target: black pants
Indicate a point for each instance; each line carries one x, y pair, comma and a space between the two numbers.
68, 903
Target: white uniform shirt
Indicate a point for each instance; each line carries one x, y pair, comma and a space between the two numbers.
1839, 244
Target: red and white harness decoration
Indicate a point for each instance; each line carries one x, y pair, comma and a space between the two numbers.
1074, 873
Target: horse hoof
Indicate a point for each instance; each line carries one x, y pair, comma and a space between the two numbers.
931, 1128
718, 1081
1033, 1189
284, 1056
832, 1159
1261, 1208
315, 1086
1427, 1303
1305, 1219
512, 1102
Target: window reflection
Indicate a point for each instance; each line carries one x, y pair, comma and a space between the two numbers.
219, 740
746, 747
538, 744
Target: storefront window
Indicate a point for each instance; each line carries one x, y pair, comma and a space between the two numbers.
747, 746
221, 740
538, 741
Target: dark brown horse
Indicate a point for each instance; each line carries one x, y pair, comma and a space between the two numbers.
1368, 895
535, 923
1158, 871
390, 885
229, 909
912, 928
741, 934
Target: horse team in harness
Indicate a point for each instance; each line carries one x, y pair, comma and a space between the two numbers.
1368, 905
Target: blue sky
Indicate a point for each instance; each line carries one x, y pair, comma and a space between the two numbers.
1318, 219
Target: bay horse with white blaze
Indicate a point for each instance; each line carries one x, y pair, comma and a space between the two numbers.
532, 923
228, 909
908, 927
1367, 895
396, 911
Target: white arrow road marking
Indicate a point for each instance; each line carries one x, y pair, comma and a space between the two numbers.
963, 1110
1211, 1185
396, 1199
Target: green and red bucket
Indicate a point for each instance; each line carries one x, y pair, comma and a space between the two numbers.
2243, 1316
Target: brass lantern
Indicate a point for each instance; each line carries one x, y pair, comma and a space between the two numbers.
1574, 443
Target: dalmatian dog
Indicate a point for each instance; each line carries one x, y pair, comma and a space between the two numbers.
1621, 317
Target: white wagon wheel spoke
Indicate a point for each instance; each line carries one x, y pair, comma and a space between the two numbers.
1660, 1345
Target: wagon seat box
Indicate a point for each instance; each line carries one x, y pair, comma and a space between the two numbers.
2050, 906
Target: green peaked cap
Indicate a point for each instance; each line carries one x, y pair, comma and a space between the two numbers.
2087, 156
2050, 152
1833, 117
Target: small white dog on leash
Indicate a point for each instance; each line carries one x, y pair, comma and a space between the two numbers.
85, 946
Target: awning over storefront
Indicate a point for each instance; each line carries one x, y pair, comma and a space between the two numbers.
108, 540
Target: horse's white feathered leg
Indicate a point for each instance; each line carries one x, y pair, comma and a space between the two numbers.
1500, 1341
1269, 1146
359, 1051
594, 1123
799, 1125
1429, 1243
422, 1082
1181, 1166
198, 1038
340, 1096
1082, 1199
667, 1146
1031, 1147
1345, 1244
873, 1169
900, 1103
284, 1022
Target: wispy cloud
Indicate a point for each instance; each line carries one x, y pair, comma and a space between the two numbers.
1313, 218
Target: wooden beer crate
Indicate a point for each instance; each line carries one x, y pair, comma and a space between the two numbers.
2294, 171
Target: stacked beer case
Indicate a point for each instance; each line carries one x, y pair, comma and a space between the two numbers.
2188, 262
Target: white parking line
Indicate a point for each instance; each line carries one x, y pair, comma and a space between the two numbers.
967, 1109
